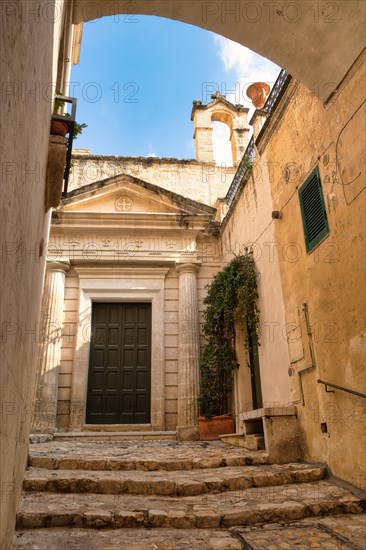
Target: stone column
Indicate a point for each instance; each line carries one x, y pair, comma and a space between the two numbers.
189, 351
48, 366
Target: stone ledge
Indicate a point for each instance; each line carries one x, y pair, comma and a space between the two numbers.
268, 411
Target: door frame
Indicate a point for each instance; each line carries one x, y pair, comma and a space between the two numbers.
120, 387
122, 284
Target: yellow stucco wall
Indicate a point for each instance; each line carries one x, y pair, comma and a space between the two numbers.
330, 279
249, 226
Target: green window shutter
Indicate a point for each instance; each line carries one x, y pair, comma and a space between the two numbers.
314, 215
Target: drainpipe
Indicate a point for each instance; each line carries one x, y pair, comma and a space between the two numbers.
69, 32
304, 307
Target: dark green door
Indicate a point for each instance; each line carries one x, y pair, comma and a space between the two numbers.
119, 382
255, 375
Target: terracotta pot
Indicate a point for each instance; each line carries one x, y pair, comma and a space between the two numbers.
211, 428
59, 128
258, 93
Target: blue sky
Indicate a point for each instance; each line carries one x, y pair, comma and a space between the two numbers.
135, 84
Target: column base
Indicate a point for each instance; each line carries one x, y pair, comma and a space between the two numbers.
188, 433
43, 422
42, 429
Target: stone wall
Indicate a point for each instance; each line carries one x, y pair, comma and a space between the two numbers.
201, 181
29, 45
329, 279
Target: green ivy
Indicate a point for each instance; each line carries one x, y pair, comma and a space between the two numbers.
231, 298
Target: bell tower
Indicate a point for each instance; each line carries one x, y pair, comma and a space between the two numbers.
220, 110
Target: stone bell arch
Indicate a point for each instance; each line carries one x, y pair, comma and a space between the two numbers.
219, 110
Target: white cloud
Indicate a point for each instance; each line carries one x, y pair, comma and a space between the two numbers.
247, 66
151, 153
191, 144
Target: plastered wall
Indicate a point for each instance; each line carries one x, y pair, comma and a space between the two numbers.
249, 226
329, 279
29, 46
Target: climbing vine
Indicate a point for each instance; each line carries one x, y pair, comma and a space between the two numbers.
231, 298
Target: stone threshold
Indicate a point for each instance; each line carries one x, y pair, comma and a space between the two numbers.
117, 428
115, 435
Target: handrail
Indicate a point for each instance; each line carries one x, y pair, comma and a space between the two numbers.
340, 388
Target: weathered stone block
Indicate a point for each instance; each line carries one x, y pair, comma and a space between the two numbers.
55, 171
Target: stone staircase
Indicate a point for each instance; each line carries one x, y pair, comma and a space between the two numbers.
168, 495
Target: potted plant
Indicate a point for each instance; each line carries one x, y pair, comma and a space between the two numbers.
231, 299
62, 127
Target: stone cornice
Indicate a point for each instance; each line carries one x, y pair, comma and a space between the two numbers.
112, 272
100, 221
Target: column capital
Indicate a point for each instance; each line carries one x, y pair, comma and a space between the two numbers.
58, 266
187, 268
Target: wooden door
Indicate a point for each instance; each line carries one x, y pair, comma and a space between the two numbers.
119, 382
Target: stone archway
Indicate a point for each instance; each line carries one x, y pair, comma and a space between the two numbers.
305, 38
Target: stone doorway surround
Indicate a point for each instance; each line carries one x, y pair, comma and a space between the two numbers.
119, 284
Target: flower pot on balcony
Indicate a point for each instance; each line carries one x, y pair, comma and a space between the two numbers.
211, 428
258, 93
59, 128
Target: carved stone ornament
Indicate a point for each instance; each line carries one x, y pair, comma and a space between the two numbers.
123, 204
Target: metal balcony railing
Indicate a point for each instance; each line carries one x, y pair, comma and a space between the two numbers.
243, 170
69, 119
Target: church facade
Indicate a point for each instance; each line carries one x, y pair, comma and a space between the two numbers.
322, 123
130, 260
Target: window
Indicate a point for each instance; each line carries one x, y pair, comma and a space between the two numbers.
314, 216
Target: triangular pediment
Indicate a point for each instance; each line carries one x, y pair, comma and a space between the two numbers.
127, 194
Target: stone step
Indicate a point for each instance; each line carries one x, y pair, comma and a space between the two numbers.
173, 483
102, 436
140, 455
245, 507
252, 442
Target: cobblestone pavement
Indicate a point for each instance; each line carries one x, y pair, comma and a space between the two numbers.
336, 533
